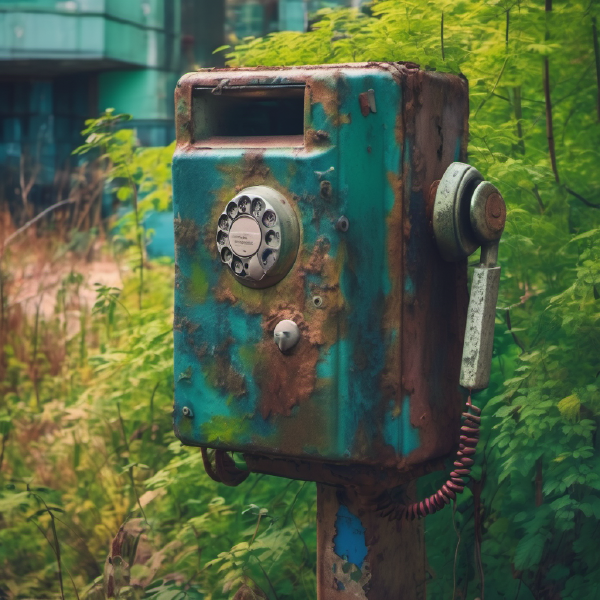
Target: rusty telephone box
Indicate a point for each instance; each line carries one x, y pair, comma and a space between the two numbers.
321, 276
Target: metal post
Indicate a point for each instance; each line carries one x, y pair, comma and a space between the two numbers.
363, 556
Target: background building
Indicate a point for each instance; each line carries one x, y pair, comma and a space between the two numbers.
62, 62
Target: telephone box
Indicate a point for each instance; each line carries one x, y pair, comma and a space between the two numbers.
318, 330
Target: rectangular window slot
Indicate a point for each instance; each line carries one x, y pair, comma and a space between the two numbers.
254, 116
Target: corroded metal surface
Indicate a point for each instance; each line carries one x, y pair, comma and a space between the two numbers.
364, 556
373, 380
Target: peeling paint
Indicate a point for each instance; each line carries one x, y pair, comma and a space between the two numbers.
349, 541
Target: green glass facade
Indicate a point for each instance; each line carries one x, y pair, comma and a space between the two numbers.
62, 62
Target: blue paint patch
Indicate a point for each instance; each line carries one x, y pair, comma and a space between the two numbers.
326, 367
457, 150
244, 328
410, 435
398, 431
349, 541
409, 286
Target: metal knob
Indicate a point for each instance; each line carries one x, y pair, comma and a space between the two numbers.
286, 335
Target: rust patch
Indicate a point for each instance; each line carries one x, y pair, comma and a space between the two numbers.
316, 260
222, 291
285, 380
254, 166
183, 112
495, 212
221, 375
290, 380
251, 170
363, 100
315, 138
187, 233
392, 316
307, 418
327, 322
185, 325
326, 94
322, 92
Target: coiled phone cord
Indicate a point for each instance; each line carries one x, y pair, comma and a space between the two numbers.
455, 485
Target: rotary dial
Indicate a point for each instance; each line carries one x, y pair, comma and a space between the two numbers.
258, 236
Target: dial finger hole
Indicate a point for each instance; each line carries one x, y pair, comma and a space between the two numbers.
269, 218
221, 238
244, 204
224, 223
257, 207
237, 266
226, 254
232, 210
272, 239
268, 258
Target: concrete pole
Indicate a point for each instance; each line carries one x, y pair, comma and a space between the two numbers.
363, 556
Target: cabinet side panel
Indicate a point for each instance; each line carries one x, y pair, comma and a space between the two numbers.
435, 291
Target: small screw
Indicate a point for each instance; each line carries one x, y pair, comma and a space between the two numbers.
317, 301
342, 224
187, 412
326, 189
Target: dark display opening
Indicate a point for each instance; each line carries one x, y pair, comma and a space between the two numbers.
249, 116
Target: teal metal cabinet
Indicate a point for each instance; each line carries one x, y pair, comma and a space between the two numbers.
353, 150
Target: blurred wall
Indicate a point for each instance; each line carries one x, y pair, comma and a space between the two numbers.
62, 62
254, 18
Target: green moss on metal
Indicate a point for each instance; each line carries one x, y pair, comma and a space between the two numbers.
225, 430
197, 287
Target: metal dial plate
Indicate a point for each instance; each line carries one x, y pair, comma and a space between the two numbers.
258, 236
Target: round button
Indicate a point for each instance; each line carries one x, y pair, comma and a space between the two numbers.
286, 335
244, 236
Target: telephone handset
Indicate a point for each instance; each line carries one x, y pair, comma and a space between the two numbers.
258, 236
468, 212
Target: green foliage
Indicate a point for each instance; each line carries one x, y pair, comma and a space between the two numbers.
140, 177
100, 453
